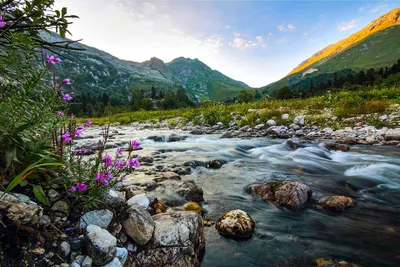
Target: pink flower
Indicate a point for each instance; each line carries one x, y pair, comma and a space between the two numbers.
72, 116
66, 137
66, 81
66, 97
60, 114
2, 23
120, 151
120, 164
52, 59
88, 123
100, 177
72, 189
107, 160
133, 163
77, 133
136, 144
80, 187
80, 127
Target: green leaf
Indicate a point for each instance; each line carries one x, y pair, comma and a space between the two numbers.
40, 195
24, 183
63, 11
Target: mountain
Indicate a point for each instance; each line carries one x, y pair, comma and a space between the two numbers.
374, 46
95, 72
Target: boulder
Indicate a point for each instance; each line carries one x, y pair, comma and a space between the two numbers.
140, 200
197, 131
299, 120
288, 194
174, 138
337, 203
228, 134
335, 146
101, 218
178, 241
235, 223
139, 225
392, 135
168, 176
285, 116
100, 245
259, 127
114, 198
271, 123
122, 255
190, 191
294, 126
26, 213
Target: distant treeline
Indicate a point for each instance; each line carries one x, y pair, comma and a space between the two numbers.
346, 79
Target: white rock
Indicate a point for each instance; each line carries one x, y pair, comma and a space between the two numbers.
122, 255
139, 225
88, 262
65, 248
285, 116
100, 245
299, 120
271, 123
140, 200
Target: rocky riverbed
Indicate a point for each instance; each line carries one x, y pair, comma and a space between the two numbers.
228, 196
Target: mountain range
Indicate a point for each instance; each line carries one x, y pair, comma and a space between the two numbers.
374, 46
95, 72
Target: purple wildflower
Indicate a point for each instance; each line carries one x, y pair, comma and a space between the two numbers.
120, 151
120, 164
107, 160
69, 229
136, 144
80, 187
2, 23
109, 174
88, 123
66, 81
80, 127
72, 116
52, 59
100, 177
72, 189
133, 163
60, 114
77, 133
66, 97
66, 137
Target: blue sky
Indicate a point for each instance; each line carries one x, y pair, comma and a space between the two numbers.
257, 42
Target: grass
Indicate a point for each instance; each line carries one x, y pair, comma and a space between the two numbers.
342, 104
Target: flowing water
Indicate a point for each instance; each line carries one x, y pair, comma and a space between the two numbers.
368, 234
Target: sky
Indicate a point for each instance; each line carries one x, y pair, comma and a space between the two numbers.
257, 42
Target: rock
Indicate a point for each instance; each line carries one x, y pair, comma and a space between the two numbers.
114, 198
299, 120
79, 259
67, 265
335, 146
139, 225
271, 123
285, 116
169, 175
193, 206
132, 190
122, 255
26, 213
294, 126
145, 159
178, 241
65, 249
235, 223
197, 131
370, 139
244, 128
191, 192
88, 262
350, 140
321, 262
160, 207
227, 135
61, 207
114, 263
100, 245
337, 203
392, 135
383, 117
101, 218
140, 200
174, 138
288, 194
211, 164
53, 195
259, 127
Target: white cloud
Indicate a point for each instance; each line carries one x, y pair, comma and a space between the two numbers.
379, 7
281, 40
228, 27
284, 28
240, 42
347, 25
306, 33
291, 27
270, 34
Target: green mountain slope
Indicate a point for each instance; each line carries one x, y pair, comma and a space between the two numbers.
94, 72
380, 49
